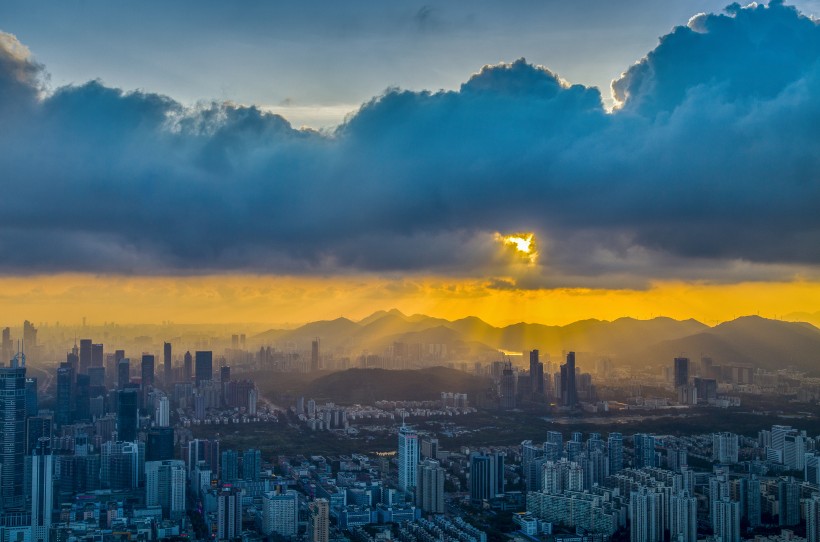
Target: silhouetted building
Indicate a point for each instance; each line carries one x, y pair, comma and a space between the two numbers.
536, 373
96, 355
127, 414
147, 371
204, 366
85, 355
32, 405
65, 394
251, 464
225, 373
569, 389
187, 369
486, 476
82, 398
166, 361
681, 372
123, 373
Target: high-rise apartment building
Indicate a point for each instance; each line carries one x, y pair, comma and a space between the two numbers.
408, 458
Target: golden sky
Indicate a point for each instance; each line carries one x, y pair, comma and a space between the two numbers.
291, 300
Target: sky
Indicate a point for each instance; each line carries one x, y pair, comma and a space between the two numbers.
281, 162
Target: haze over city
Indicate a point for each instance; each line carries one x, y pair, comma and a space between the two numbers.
521, 271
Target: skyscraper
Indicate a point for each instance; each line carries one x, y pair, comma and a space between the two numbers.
681, 371
486, 476
147, 372
645, 516
13, 435
166, 361
127, 414
569, 389
408, 458
536, 374
187, 362
85, 355
96, 355
813, 519
42, 490
65, 392
204, 366
123, 373
727, 520
159, 445
251, 464
229, 463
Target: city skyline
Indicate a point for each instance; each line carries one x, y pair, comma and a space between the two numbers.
509, 189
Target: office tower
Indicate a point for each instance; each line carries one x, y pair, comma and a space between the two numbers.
123, 373
85, 355
536, 374
408, 458
82, 398
676, 458
119, 465
508, 386
13, 436
280, 513
314, 355
118, 355
165, 487
813, 518
96, 378
430, 487
127, 414
32, 405
229, 466
229, 513
727, 520
788, 500
644, 450
645, 506
486, 476
569, 390
162, 411
166, 362
65, 391
681, 372
683, 517
251, 464
42, 490
203, 450
96, 355
37, 427
318, 521
6, 346
186, 367
204, 366
159, 444
225, 374
724, 447
147, 372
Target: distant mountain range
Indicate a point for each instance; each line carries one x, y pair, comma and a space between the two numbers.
749, 340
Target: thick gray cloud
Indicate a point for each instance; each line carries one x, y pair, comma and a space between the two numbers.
711, 161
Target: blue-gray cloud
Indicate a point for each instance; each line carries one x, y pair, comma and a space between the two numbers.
708, 170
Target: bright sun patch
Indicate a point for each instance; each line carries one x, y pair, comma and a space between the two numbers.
523, 244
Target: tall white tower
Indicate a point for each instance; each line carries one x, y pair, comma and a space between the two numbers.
408, 458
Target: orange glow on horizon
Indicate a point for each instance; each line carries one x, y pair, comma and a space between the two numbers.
293, 300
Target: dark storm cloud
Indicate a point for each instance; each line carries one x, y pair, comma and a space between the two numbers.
712, 159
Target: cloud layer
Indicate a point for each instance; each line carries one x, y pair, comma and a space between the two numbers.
708, 170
